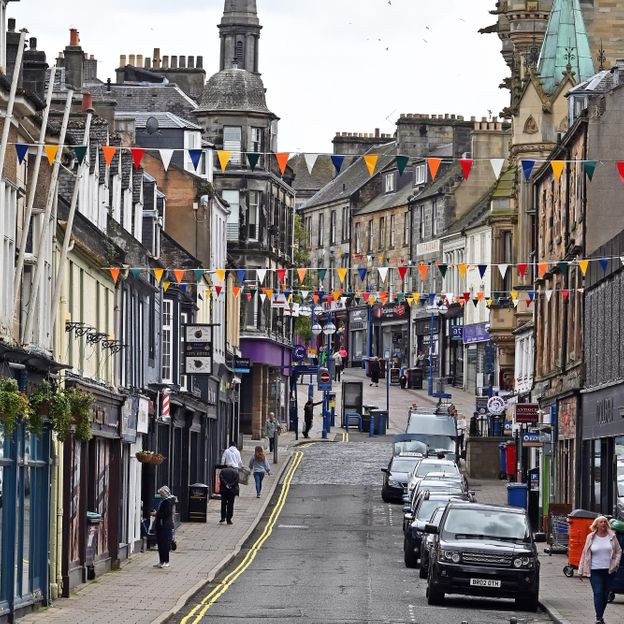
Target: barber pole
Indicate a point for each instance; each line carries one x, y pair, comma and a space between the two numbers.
165, 413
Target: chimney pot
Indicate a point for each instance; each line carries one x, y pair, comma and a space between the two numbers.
200, 62
165, 61
460, 117
74, 37
174, 61
33, 43
11, 24
183, 62
122, 60
377, 132
191, 62
132, 59
87, 102
483, 119
156, 56
139, 60
473, 119
148, 62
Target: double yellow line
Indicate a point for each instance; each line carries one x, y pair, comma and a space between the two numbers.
198, 612
345, 436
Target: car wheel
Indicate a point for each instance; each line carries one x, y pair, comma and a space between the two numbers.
435, 597
528, 603
423, 572
384, 498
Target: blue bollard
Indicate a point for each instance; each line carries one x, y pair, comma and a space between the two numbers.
371, 432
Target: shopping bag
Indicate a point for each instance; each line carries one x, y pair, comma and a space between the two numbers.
243, 476
217, 489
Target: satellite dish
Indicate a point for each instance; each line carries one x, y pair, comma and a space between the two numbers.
151, 125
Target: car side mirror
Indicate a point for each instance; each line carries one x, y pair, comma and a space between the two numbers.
432, 529
407, 516
385, 470
539, 536
405, 498
406, 509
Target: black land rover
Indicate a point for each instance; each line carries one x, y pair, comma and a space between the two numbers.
483, 550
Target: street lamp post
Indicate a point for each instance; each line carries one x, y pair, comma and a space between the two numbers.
329, 330
435, 309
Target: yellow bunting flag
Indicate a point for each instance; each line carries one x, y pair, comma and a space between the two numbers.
342, 273
179, 275
557, 167
542, 268
434, 165
208, 293
224, 158
220, 273
282, 161
514, 295
158, 274
302, 273
114, 274
416, 297
422, 269
236, 290
583, 264
371, 162
108, 152
166, 286
51, 151
462, 268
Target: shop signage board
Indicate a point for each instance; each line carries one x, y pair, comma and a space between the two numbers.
430, 247
299, 353
532, 440
496, 405
197, 349
457, 332
475, 333
242, 365
481, 404
527, 413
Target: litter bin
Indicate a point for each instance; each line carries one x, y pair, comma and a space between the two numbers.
198, 502
502, 473
381, 421
579, 521
415, 380
517, 495
93, 528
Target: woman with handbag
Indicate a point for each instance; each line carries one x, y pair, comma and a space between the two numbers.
259, 466
164, 526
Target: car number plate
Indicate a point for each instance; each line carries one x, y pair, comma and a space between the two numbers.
484, 583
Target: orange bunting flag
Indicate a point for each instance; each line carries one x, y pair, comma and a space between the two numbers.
108, 151
542, 268
583, 264
179, 275
336, 295
220, 273
466, 166
371, 300
557, 167
282, 161
434, 165
269, 293
315, 298
342, 273
371, 162
224, 158
158, 274
384, 297
166, 286
462, 268
480, 295
302, 273
114, 274
422, 269
137, 156
236, 290
51, 151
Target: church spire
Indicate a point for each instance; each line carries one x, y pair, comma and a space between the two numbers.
566, 46
240, 33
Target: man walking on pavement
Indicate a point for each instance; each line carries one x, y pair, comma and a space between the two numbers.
337, 365
308, 415
271, 429
228, 488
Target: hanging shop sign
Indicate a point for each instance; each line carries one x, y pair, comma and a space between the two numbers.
496, 405
197, 349
527, 413
242, 365
475, 333
457, 332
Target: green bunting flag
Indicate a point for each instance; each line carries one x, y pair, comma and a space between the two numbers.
321, 274
401, 163
253, 160
80, 151
443, 268
590, 167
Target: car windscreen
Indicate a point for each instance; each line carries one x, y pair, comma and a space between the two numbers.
403, 465
427, 507
424, 468
462, 523
411, 446
437, 442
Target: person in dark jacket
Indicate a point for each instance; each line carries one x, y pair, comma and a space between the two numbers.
308, 415
164, 526
228, 488
375, 371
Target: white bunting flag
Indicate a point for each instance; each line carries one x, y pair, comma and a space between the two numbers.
622, 259
261, 274
503, 269
497, 166
165, 156
310, 160
383, 273
304, 294
263, 297
548, 295
450, 297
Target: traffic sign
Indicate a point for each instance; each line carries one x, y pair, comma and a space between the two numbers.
496, 405
324, 379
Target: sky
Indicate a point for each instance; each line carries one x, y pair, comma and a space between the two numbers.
328, 65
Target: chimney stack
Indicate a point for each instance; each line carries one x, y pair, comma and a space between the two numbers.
33, 43
156, 58
183, 62
148, 63
174, 61
74, 61
165, 61
132, 60
74, 37
11, 24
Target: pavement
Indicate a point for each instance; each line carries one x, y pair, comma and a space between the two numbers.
141, 594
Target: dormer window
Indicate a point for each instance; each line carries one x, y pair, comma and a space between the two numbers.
420, 175
389, 182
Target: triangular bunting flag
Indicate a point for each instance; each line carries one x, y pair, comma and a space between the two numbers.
80, 152
342, 273
620, 168
434, 165
135, 273
557, 167
423, 269
236, 290
462, 268
482, 269
583, 264
531, 294
522, 269
549, 294
310, 161
384, 297
589, 166
443, 268
402, 271
480, 295
158, 274
269, 293
281, 275
263, 297
240, 274
179, 275
503, 269
542, 269
362, 271
604, 264
282, 160
114, 274
321, 273
497, 166
383, 273
301, 273
253, 159
475, 302
371, 162
366, 296
137, 156
224, 158
165, 156
563, 267
304, 294
183, 287
21, 149
198, 274
51, 151
466, 166
410, 300
108, 151
261, 274
218, 289
336, 295
401, 163
166, 286
565, 293
195, 156
220, 274
527, 167
337, 161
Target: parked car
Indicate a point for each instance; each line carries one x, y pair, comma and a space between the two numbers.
425, 505
395, 477
430, 465
427, 542
483, 550
436, 485
448, 476
437, 431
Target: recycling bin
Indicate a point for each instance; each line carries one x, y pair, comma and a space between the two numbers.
517, 495
381, 421
510, 459
93, 528
198, 502
579, 520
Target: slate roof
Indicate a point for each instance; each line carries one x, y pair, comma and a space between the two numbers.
165, 120
354, 176
601, 82
475, 217
322, 173
234, 90
444, 178
386, 201
505, 186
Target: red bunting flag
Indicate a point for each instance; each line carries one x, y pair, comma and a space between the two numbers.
620, 168
402, 271
466, 166
522, 269
114, 274
466, 297
218, 290
565, 294
281, 274
282, 161
137, 156
366, 296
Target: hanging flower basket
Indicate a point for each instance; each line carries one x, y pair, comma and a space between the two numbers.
158, 459
145, 457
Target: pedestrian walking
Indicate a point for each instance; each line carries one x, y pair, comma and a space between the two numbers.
271, 429
403, 377
260, 467
600, 561
375, 371
474, 425
232, 457
164, 526
229, 490
308, 415
337, 365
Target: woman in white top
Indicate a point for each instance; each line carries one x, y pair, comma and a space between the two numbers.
600, 561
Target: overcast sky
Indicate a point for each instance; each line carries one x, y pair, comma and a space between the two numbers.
328, 65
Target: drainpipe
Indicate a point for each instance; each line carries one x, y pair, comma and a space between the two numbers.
11, 103
17, 281
47, 217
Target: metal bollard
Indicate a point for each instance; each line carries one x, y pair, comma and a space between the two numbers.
371, 431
